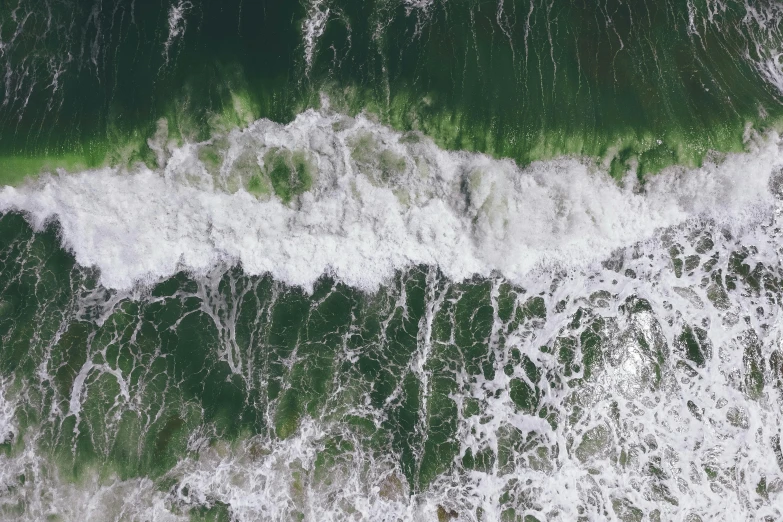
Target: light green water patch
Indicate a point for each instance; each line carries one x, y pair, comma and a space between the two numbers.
16, 169
259, 185
207, 107
211, 157
245, 172
123, 151
618, 148
290, 173
379, 163
219, 512
240, 112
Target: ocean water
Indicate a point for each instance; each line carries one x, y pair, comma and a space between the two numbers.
642, 84
418, 260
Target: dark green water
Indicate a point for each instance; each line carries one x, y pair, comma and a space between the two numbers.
632, 81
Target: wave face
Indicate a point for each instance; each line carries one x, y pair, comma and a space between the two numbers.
332, 320
353, 199
643, 83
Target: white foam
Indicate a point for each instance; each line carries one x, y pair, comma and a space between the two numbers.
313, 27
177, 24
466, 213
765, 45
8, 430
760, 36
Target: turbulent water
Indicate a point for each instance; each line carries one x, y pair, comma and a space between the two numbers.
414, 260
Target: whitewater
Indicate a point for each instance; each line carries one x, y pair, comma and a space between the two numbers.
680, 421
380, 201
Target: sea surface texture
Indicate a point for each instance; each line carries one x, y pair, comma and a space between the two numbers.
391, 260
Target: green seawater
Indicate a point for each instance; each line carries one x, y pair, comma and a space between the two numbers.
237, 260
640, 84
233, 397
